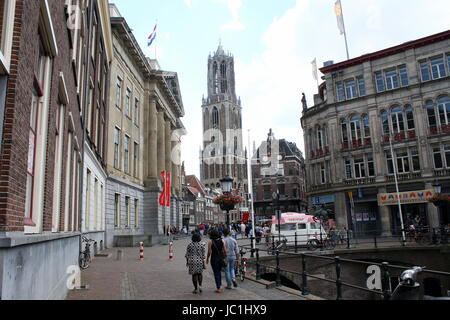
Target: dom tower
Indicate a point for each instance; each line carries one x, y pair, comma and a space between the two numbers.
223, 153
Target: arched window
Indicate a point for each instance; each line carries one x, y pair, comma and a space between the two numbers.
409, 118
325, 136
366, 126
431, 114
385, 122
355, 129
443, 105
223, 75
215, 78
215, 117
397, 119
319, 138
344, 131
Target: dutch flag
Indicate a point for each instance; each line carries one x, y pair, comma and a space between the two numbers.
152, 37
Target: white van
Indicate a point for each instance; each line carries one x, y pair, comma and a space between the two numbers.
301, 224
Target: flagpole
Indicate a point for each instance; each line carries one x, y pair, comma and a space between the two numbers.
156, 41
345, 32
250, 190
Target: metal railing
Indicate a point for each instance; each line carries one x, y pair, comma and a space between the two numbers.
386, 269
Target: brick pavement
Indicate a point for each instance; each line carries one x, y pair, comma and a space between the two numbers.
157, 278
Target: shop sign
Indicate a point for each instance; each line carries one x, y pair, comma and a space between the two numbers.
323, 199
410, 197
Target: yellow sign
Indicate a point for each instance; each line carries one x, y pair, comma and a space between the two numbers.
410, 197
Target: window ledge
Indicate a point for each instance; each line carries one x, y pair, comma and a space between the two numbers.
16, 239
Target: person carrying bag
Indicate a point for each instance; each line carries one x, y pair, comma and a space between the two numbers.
217, 251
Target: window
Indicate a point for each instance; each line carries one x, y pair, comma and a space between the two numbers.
366, 126
215, 117
127, 209
397, 119
443, 105
127, 103
447, 155
37, 139
93, 43
116, 148
348, 169
403, 76
438, 68
409, 117
117, 210
136, 112
361, 86
59, 141
360, 171
69, 169
415, 159
431, 114
267, 192
126, 163
119, 92
136, 213
319, 138
136, 160
371, 165
350, 89
437, 158
390, 163
355, 129
96, 199
402, 161
448, 62
379, 81
340, 92
323, 178
425, 71
391, 79
344, 131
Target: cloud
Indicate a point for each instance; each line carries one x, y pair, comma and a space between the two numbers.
188, 3
234, 6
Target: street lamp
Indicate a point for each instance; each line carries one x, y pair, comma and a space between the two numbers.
227, 184
276, 201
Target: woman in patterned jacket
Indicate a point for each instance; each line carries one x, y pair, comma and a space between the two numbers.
195, 261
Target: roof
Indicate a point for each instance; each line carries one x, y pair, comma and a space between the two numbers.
388, 52
195, 183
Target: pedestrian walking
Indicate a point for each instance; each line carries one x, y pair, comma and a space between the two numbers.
217, 253
195, 261
232, 256
202, 229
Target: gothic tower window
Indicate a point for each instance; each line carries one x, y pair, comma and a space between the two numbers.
215, 78
215, 117
223, 75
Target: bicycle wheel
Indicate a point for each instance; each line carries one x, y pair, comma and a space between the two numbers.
242, 274
329, 244
82, 262
312, 245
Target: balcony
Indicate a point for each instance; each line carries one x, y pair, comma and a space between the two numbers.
356, 144
385, 138
411, 134
399, 136
434, 131
345, 146
446, 128
367, 142
404, 176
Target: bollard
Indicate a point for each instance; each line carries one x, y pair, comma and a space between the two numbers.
101, 245
304, 277
337, 260
119, 255
278, 280
385, 281
95, 248
348, 239
375, 241
141, 251
252, 251
170, 250
258, 273
296, 242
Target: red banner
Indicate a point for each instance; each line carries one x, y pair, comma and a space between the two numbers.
245, 217
164, 198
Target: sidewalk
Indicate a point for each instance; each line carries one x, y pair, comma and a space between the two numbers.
157, 278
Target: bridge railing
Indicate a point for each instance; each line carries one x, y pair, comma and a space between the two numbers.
386, 268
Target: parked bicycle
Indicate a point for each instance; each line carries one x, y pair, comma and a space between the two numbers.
85, 256
273, 246
327, 244
420, 236
241, 267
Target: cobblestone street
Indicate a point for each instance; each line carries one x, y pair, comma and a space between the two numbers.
157, 278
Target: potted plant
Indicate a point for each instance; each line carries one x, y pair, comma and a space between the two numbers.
227, 202
440, 199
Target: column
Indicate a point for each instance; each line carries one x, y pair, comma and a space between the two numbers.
152, 159
161, 144
385, 217
432, 211
168, 147
340, 208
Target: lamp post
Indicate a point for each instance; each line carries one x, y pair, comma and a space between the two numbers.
227, 184
276, 202
438, 189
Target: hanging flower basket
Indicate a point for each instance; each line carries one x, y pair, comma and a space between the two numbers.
440, 199
227, 202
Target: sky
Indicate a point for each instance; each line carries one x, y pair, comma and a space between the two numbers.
273, 43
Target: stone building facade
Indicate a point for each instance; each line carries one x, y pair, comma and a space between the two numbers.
42, 141
144, 134
278, 165
223, 152
400, 95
